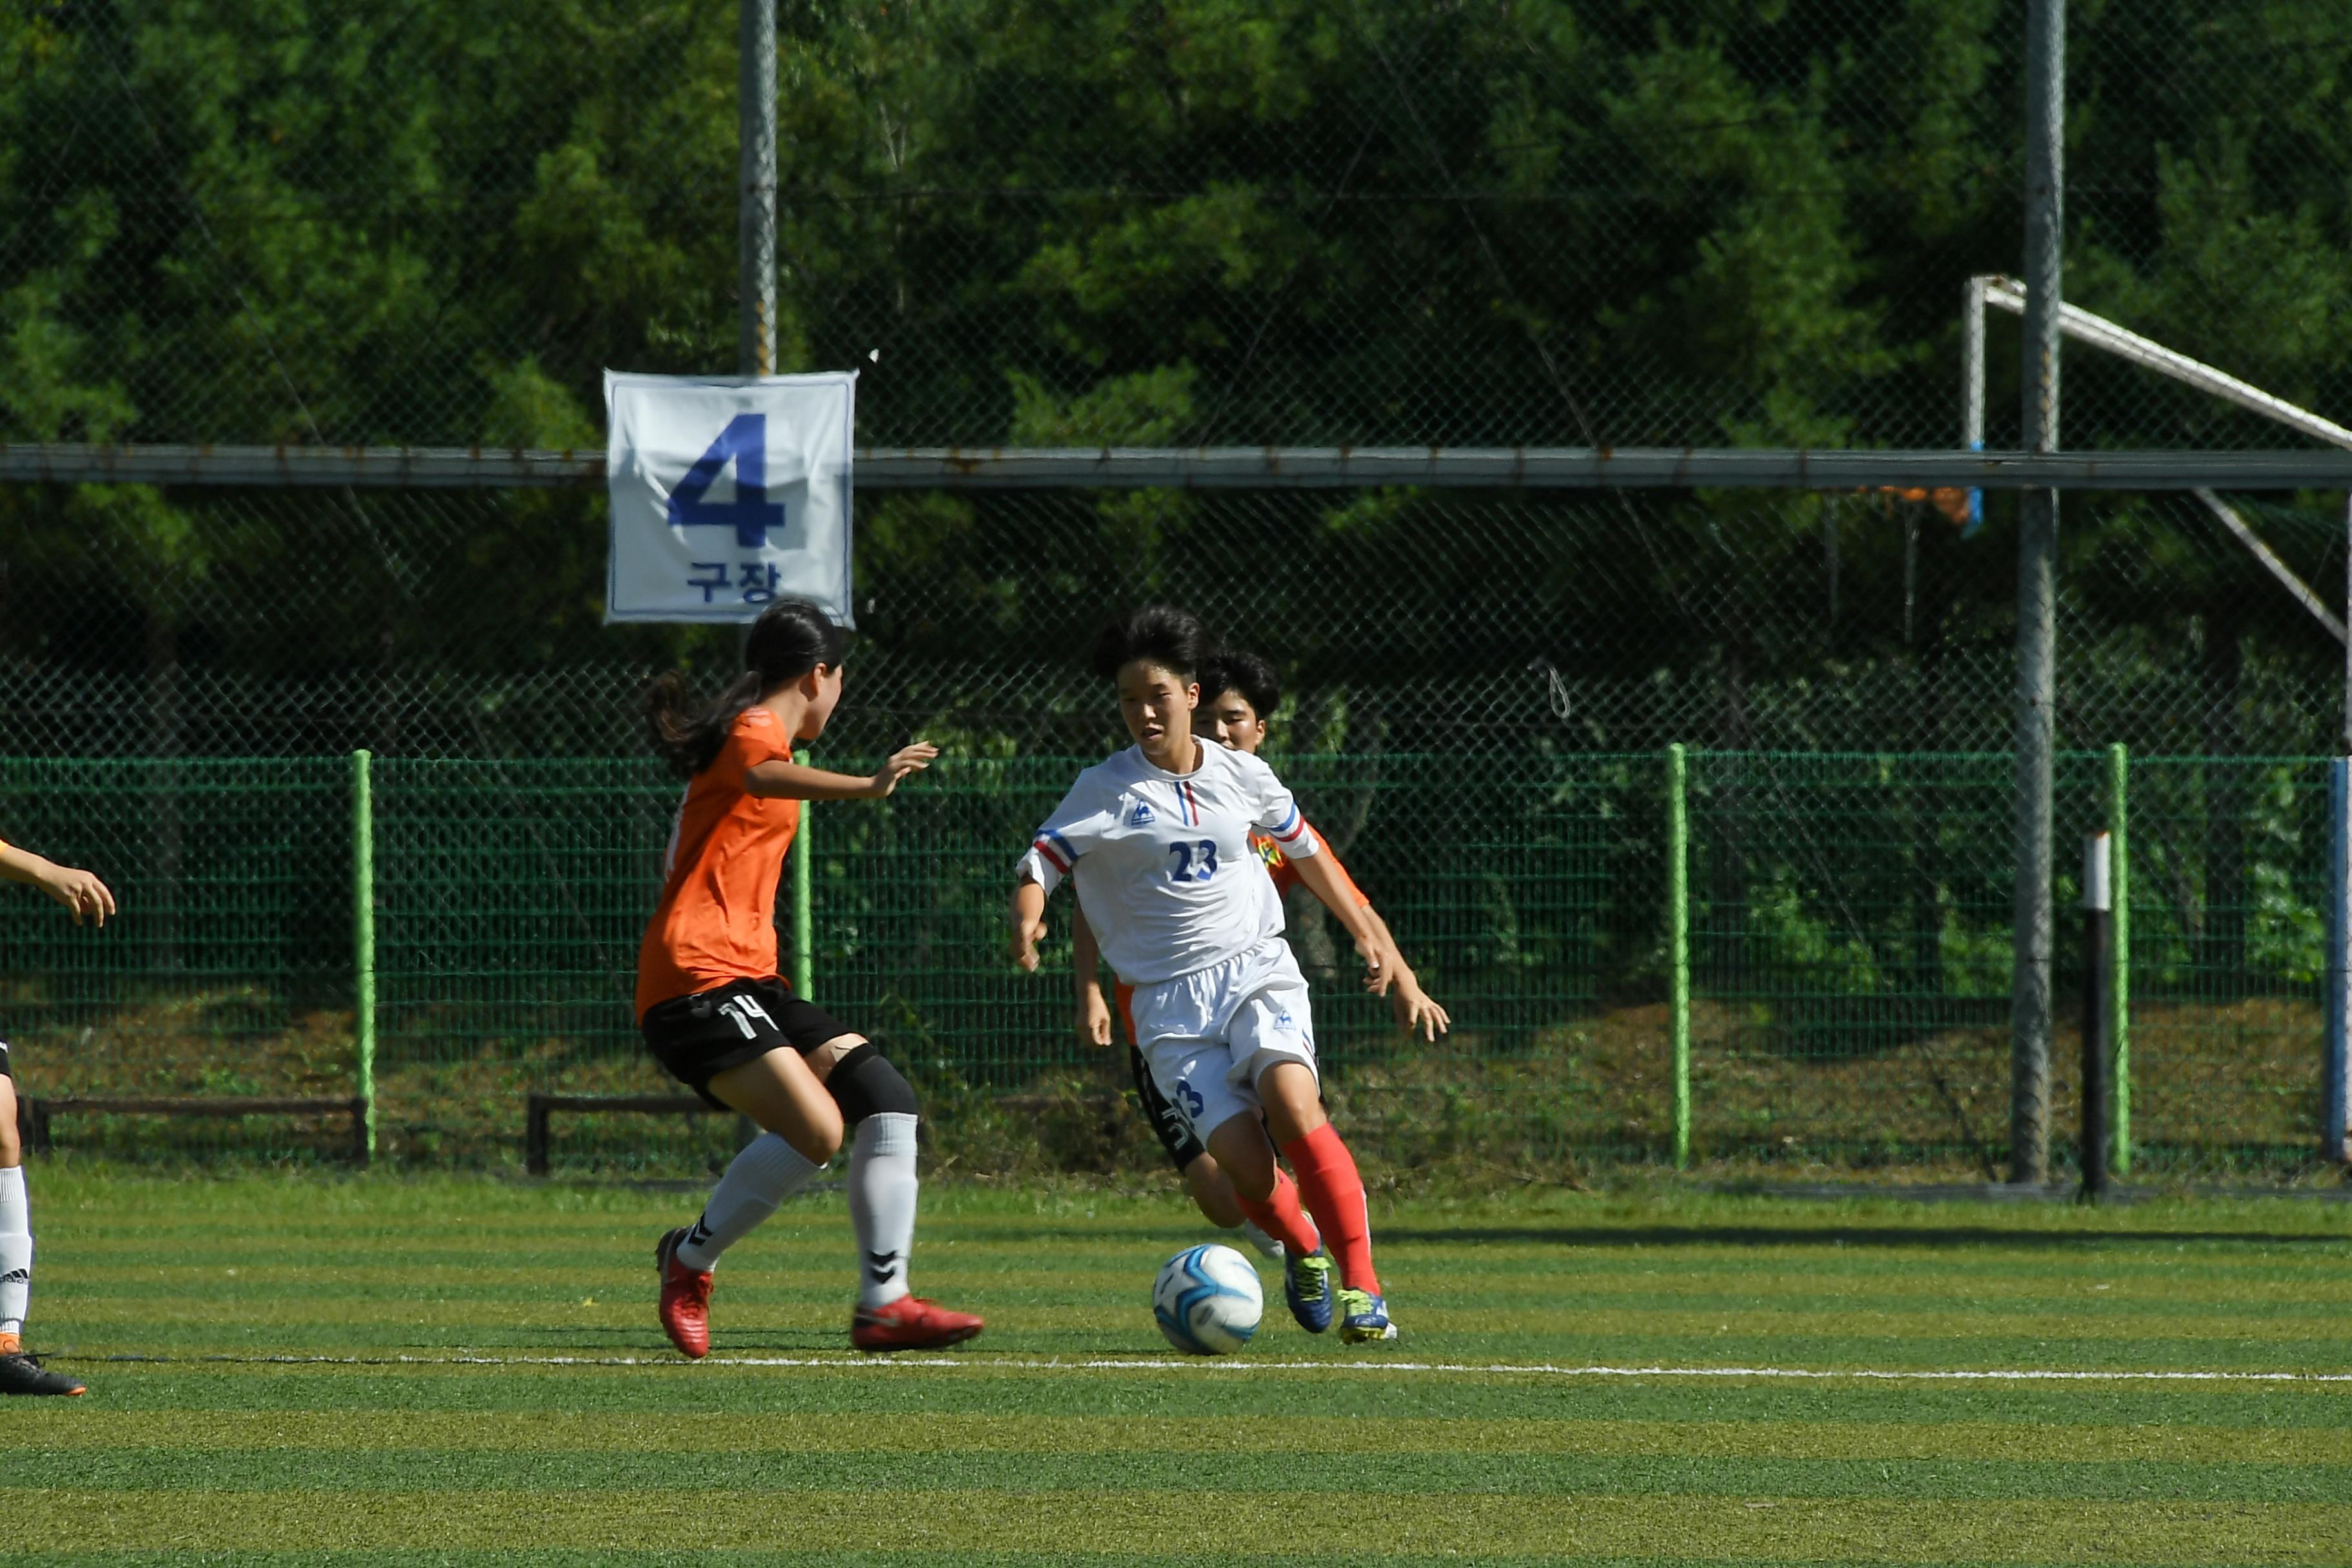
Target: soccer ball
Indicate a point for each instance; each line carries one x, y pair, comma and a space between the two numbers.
1207, 1300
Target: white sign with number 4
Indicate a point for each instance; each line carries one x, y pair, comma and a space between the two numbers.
728, 493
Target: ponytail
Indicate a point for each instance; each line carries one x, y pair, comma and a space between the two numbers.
791, 637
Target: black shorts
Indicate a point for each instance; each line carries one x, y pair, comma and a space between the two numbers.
1168, 1123
4, 1062
698, 1037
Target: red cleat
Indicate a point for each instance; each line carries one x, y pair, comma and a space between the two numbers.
910, 1323
685, 1299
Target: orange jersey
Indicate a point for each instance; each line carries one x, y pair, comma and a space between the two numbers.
1284, 871
717, 918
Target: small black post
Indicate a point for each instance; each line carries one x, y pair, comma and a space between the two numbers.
534, 1135
2098, 1013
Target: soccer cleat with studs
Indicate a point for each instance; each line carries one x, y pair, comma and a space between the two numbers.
685, 1310
1364, 1318
22, 1373
1306, 1286
910, 1323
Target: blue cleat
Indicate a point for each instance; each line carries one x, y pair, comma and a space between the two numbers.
1306, 1286
1364, 1318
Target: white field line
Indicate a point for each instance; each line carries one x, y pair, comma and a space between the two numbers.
1243, 1364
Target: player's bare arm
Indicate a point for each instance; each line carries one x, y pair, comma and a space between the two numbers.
791, 780
1415, 1010
1028, 923
1086, 961
1316, 875
85, 897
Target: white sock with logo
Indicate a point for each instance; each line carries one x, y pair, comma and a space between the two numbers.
15, 1250
764, 1174
882, 1204
1266, 1245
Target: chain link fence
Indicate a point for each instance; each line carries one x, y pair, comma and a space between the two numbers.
466, 622
1611, 225
1848, 944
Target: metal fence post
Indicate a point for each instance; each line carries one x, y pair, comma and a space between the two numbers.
2098, 1011
2037, 552
2336, 1061
363, 934
2119, 978
1678, 943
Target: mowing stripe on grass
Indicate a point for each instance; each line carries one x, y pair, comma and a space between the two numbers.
722, 1473
849, 1395
1245, 1365
195, 1432
2147, 1531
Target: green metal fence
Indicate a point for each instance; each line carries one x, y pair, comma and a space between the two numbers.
1829, 991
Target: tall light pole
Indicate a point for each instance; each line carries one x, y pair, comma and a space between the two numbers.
2037, 557
755, 227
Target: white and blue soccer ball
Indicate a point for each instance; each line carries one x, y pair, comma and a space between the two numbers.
1208, 1300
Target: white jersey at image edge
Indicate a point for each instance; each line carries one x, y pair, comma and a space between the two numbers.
1163, 861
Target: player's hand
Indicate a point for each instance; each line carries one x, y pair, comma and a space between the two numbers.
1416, 1012
1094, 1017
1378, 973
1026, 935
909, 759
85, 897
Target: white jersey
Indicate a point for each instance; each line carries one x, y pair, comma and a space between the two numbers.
1163, 861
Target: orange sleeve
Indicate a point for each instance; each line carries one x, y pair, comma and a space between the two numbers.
1286, 872
1363, 899
759, 738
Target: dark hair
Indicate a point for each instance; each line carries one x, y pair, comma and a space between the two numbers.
1167, 636
791, 638
1238, 669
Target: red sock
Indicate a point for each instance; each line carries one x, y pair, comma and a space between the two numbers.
1335, 1197
1281, 1217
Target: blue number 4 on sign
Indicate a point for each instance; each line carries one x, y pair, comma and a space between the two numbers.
750, 514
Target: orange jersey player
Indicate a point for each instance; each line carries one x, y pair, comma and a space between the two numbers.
716, 1015
1237, 690
86, 900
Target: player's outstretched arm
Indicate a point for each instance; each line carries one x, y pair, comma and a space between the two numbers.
86, 899
1028, 923
1086, 960
1316, 875
791, 780
1415, 1010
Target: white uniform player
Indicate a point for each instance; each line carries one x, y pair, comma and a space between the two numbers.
1188, 917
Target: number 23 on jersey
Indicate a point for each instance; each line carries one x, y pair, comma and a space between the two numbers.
1194, 862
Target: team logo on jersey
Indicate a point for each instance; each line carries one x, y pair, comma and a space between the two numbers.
1142, 816
1284, 1023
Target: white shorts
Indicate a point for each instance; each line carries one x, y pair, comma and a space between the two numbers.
1211, 1034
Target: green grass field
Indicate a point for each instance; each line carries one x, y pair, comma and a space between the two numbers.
470, 1373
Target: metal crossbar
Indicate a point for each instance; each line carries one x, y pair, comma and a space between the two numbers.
1232, 468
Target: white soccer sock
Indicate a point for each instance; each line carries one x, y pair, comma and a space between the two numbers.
764, 1174
15, 1250
1258, 1238
882, 1204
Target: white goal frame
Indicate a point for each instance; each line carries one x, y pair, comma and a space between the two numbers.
2110, 337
